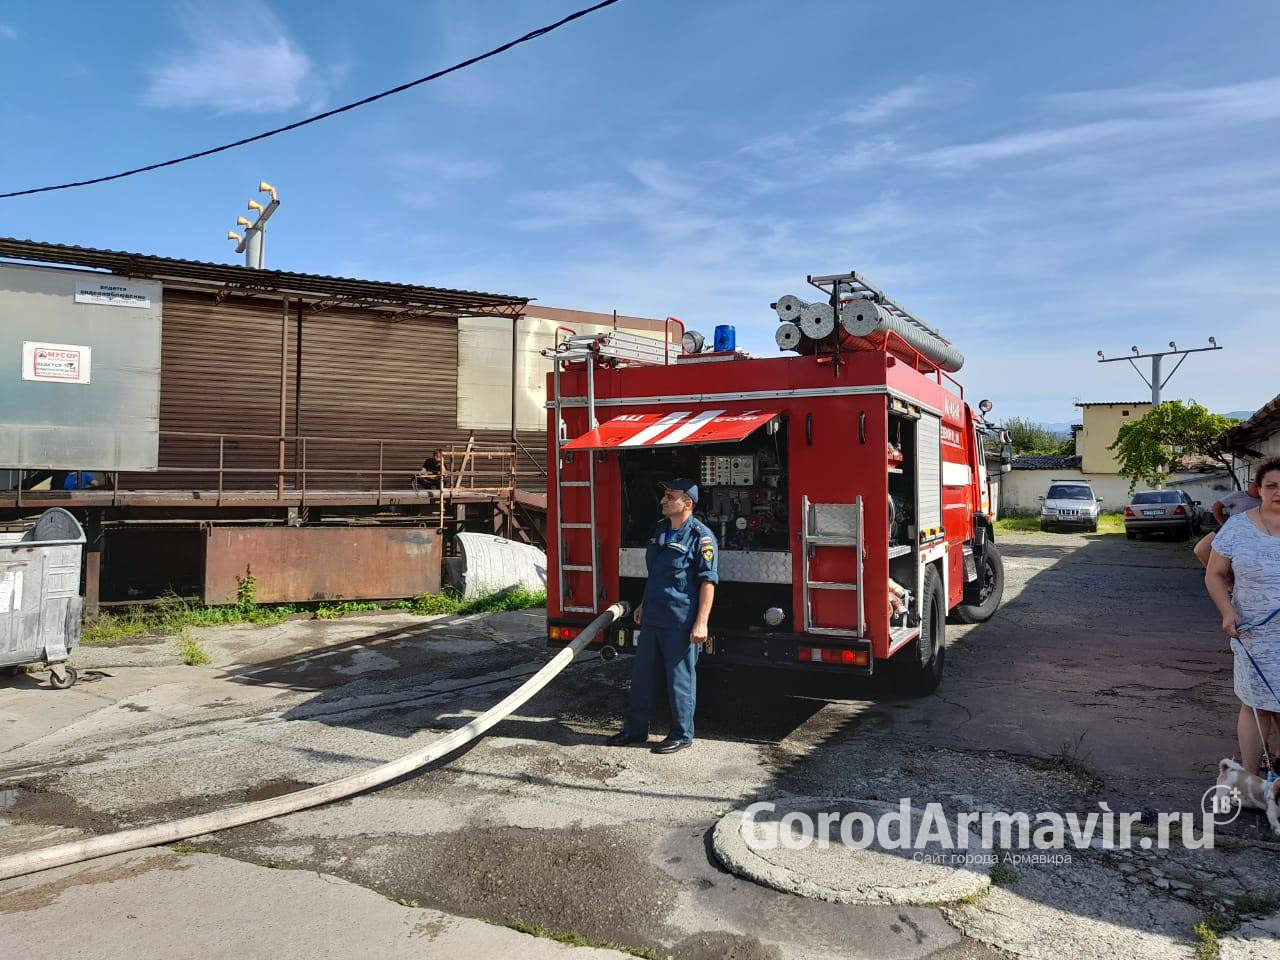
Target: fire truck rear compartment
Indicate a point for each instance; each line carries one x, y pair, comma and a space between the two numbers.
743, 499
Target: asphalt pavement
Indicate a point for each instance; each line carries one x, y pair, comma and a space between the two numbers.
1103, 678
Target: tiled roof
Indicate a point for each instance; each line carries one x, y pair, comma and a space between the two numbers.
1042, 461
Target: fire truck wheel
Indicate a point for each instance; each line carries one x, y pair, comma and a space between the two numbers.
990, 590
919, 666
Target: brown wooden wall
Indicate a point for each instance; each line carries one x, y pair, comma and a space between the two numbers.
362, 376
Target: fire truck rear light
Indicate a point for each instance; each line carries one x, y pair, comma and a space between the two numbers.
847, 658
562, 633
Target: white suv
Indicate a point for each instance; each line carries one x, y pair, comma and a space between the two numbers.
1070, 503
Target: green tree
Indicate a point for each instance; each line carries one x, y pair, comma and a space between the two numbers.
1026, 436
1150, 448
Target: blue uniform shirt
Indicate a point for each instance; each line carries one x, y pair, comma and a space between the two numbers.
678, 563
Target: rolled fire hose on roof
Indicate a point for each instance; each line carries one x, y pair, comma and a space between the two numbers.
870, 321
75, 851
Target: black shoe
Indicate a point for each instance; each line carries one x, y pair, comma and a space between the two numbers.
622, 740
672, 746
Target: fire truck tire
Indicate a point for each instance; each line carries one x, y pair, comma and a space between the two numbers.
918, 667
991, 576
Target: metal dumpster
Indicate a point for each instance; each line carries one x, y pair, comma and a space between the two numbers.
40, 595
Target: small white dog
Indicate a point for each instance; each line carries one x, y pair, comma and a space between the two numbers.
1253, 791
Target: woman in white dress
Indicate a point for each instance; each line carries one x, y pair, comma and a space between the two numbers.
1248, 549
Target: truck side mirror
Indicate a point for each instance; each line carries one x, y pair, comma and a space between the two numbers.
1006, 453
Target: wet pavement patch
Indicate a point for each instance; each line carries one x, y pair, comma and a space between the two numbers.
595, 882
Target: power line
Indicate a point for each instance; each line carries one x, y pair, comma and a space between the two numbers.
532, 35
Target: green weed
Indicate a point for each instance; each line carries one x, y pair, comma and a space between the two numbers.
1002, 875
578, 939
434, 604
332, 611
186, 846
193, 655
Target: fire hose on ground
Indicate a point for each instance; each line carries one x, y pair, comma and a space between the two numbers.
76, 851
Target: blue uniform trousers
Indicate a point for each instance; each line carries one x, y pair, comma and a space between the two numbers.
668, 655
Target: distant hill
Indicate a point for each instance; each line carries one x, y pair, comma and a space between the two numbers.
1239, 414
1061, 429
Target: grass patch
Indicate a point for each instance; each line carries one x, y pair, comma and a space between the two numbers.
577, 939
406, 902
172, 615
1070, 759
193, 655
332, 611
1208, 930
1002, 875
185, 847
1107, 523
1219, 920
434, 604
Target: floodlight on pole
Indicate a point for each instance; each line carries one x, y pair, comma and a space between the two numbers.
253, 243
1157, 382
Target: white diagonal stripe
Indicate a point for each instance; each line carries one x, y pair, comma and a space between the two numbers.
680, 432
648, 433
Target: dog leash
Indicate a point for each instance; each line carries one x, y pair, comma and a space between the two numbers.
1239, 640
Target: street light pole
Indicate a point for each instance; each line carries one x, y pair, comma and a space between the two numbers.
1158, 381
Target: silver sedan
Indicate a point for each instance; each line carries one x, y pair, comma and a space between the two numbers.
1162, 511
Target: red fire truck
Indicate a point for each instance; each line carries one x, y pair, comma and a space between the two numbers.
845, 482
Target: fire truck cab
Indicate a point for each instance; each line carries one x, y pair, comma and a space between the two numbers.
845, 485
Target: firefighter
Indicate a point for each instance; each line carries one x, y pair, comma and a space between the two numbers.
681, 559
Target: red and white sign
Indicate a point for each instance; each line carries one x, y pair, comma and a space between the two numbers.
670, 429
55, 362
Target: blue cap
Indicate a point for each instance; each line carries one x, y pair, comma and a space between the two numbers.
681, 485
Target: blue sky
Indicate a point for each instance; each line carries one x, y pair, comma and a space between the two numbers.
1039, 182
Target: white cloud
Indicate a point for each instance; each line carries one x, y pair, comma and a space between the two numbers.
239, 59
432, 166
1249, 100
1130, 115
7, 32
900, 99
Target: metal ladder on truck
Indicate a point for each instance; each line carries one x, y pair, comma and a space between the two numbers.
589, 349
837, 525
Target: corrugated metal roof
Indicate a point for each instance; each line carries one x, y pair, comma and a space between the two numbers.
1261, 425
365, 293
1038, 461
1114, 403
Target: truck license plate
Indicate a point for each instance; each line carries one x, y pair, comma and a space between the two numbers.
1153, 513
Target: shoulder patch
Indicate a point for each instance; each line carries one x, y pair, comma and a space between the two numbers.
706, 540
708, 553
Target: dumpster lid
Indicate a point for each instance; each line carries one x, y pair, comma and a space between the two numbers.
55, 524
680, 427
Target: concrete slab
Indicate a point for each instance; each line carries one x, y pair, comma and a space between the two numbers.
759, 846
156, 905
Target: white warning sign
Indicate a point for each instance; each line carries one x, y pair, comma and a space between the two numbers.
55, 362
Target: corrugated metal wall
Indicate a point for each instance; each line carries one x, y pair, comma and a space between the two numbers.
363, 376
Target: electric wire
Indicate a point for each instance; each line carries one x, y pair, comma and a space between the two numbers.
532, 35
